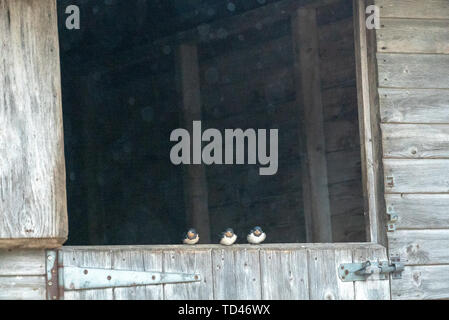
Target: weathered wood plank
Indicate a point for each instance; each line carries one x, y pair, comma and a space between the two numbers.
307, 72
32, 174
371, 289
413, 36
416, 175
368, 112
419, 211
236, 274
413, 70
197, 261
420, 247
429, 9
414, 106
195, 190
284, 274
22, 288
88, 258
415, 140
22, 262
422, 283
138, 260
324, 283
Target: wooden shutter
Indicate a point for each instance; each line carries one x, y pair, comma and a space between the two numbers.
33, 209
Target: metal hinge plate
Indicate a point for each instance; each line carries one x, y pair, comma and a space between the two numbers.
370, 270
76, 278
60, 277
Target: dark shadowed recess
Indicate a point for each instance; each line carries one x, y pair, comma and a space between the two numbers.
121, 101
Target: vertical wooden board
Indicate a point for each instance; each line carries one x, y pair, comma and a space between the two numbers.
284, 274
429, 9
371, 289
308, 76
223, 269
419, 211
371, 153
324, 283
189, 261
195, 190
88, 258
420, 247
32, 175
247, 274
22, 288
416, 175
422, 283
413, 70
236, 274
138, 260
413, 36
415, 140
22, 262
414, 105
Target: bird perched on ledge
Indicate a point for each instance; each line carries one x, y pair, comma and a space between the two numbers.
191, 237
228, 237
256, 235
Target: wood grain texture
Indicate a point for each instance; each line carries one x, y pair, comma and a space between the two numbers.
324, 283
429, 9
413, 70
422, 283
420, 247
236, 274
198, 261
32, 174
419, 211
22, 262
416, 141
413, 36
284, 275
22, 288
368, 112
416, 176
414, 105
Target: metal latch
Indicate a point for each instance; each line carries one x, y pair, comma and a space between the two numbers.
371, 270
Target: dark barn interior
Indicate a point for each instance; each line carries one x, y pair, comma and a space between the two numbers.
122, 97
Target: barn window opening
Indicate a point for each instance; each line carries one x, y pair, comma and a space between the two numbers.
136, 71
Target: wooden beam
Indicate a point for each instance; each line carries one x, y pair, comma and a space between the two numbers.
195, 183
369, 122
33, 209
307, 70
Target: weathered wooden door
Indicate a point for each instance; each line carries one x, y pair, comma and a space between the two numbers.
286, 271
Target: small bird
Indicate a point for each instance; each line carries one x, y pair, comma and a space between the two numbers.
256, 235
228, 237
191, 237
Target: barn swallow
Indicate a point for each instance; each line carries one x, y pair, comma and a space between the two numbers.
256, 235
191, 237
228, 237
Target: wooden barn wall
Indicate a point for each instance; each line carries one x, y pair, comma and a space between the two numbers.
413, 71
22, 274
